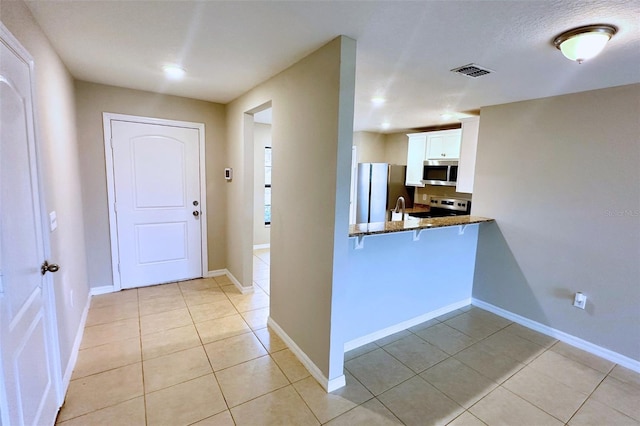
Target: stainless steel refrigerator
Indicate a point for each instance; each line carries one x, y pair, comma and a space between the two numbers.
378, 187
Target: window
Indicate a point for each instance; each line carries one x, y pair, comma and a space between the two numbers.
267, 185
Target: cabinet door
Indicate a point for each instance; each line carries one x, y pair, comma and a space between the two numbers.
451, 145
435, 147
444, 145
415, 159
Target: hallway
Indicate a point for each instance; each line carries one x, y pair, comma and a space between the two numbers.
199, 352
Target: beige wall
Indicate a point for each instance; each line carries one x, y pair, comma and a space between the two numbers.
262, 139
395, 148
561, 177
58, 144
94, 99
369, 147
312, 132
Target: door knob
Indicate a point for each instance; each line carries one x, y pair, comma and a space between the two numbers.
48, 267
196, 213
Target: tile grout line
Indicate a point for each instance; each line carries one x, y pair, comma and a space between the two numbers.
269, 354
526, 363
144, 391
215, 376
418, 374
111, 369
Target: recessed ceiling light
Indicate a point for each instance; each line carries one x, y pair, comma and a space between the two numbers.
385, 125
173, 72
378, 100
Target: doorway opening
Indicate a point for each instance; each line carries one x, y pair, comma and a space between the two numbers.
263, 149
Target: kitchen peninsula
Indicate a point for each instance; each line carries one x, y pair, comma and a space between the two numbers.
412, 224
405, 272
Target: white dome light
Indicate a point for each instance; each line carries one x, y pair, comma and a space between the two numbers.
583, 43
378, 100
174, 72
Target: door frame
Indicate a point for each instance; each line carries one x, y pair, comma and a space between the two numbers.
107, 117
50, 311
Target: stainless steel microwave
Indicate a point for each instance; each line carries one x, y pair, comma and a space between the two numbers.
440, 172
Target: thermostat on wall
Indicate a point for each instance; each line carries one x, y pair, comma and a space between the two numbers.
228, 173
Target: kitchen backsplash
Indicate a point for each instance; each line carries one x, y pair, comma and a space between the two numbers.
422, 194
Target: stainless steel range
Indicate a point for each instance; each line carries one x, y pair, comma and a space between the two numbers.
445, 206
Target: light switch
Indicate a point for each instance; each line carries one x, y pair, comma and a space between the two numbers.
53, 221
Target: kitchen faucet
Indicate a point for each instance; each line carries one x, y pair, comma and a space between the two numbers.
398, 209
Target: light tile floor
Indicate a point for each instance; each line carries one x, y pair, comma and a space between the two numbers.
199, 352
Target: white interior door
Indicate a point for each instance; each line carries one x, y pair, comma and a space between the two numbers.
28, 377
156, 171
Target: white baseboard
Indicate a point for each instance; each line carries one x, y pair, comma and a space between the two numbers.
95, 291
234, 280
73, 357
261, 246
328, 385
216, 273
361, 341
605, 353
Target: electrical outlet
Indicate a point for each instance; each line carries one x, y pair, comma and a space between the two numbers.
424, 197
580, 300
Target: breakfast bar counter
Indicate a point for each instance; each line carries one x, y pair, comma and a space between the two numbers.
411, 224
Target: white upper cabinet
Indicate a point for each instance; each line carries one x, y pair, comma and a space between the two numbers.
438, 145
416, 153
443, 144
467, 162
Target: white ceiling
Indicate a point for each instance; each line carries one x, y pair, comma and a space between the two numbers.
405, 49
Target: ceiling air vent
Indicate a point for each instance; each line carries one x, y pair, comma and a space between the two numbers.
472, 70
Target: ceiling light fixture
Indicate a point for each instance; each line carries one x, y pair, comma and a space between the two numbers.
385, 125
583, 43
173, 72
378, 100
447, 116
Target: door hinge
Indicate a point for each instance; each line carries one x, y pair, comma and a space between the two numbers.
118, 268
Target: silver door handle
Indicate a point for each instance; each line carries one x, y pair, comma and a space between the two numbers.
196, 213
49, 267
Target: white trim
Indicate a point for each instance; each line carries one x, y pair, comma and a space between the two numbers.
361, 341
335, 384
605, 353
95, 291
107, 117
234, 280
216, 273
328, 385
73, 357
353, 187
262, 246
